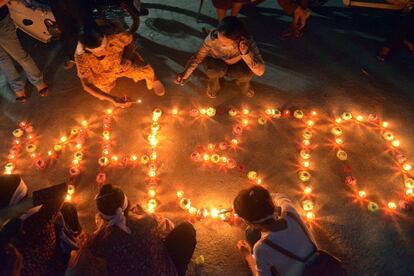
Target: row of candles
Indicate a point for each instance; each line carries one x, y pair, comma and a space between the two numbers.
382, 128
212, 154
25, 137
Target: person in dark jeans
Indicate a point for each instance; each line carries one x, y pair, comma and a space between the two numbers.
130, 242
223, 5
403, 35
227, 51
70, 16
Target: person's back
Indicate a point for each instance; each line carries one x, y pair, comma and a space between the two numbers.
140, 253
277, 233
292, 239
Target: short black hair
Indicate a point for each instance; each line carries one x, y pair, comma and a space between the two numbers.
232, 27
254, 203
90, 36
109, 199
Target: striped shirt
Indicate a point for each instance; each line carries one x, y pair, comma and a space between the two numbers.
229, 54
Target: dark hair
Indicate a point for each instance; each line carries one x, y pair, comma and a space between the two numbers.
232, 27
109, 199
90, 36
254, 203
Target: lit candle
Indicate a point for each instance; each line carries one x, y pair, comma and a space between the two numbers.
337, 131
339, 141
151, 192
310, 216
342, 155
109, 112
306, 142
392, 205
180, 194
63, 139
211, 112
214, 213
359, 118
185, 203
385, 124
304, 176
232, 112
252, 175
310, 123
84, 123
307, 205
347, 116
174, 112
245, 111
307, 190
298, 114
395, 143
362, 194
18, 133
407, 167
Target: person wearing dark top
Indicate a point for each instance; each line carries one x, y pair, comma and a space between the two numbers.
71, 15
10, 48
112, 250
44, 239
402, 36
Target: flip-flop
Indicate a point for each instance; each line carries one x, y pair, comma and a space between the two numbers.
211, 93
21, 99
249, 93
44, 91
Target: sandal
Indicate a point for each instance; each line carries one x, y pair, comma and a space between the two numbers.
43, 89
383, 54
21, 97
249, 93
211, 93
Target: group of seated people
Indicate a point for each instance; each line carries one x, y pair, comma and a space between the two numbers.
41, 234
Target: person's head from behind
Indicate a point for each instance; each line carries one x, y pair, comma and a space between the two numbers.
93, 40
230, 30
255, 206
109, 199
12, 190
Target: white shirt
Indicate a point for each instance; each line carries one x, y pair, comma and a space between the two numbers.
292, 239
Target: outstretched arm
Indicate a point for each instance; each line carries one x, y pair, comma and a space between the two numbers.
96, 92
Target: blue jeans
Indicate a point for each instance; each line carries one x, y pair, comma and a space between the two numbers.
10, 47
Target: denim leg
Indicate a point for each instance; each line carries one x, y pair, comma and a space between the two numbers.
13, 77
11, 45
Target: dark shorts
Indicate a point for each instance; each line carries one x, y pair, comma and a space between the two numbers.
227, 4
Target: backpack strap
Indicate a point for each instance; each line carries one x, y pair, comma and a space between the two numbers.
287, 252
284, 251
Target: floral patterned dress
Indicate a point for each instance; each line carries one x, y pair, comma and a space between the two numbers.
103, 71
140, 253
